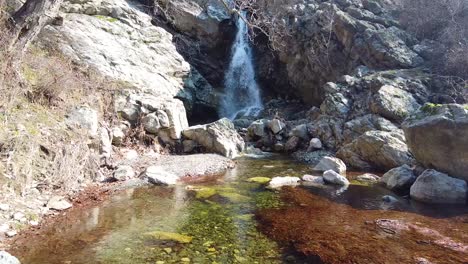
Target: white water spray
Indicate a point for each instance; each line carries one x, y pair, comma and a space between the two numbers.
241, 91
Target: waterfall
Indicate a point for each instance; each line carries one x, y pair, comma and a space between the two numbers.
241, 91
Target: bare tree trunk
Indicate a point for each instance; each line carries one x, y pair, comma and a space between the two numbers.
28, 21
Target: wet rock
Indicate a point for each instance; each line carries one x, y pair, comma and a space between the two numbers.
330, 176
123, 173
393, 103
437, 137
161, 235
276, 126
314, 180
278, 182
261, 180
376, 150
438, 188
158, 176
399, 179
58, 203
6, 258
331, 163
85, 118
219, 137
368, 177
292, 144
315, 144
389, 199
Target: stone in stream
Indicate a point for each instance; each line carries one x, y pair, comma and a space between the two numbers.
399, 179
7, 258
158, 176
313, 180
331, 163
261, 180
278, 182
330, 176
368, 177
438, 188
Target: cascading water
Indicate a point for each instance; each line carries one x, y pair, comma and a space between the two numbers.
241, 92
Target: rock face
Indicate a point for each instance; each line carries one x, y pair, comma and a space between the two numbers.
376, 150
218, 137
437, 137
399, 179
6, 258
439, 188
356, 36
331, 163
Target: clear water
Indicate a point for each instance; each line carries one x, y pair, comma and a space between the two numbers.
241, 93
221, 219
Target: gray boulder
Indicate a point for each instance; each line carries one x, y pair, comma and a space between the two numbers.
6, 258
58, 203
151, 123
300, 131
439, 188
399, 179
358, 126
85, 118
276, 126
158, 176
376, 150
332, 177
393, 103
278, 182
331, 163
437, 135
257, 128
219, 137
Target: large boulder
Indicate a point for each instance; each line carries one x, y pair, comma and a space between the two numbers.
159, 176
219, 137
393, 103
330, 176
376, 150
439, 188
399, 179
358, 126
437, 135
6, 258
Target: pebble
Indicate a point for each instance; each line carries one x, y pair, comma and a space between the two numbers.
11, 233
4, 207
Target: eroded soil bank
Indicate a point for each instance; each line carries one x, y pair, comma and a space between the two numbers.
227, 219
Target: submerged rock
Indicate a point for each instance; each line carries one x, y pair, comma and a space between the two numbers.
219, 137
278, 182
437, 137
439, 188
161, 235
261, 180
330, 176
399, 179
368, 177
6, 258
205, 192
331, 163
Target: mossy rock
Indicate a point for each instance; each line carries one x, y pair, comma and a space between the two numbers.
234, 197
161, 235
261, 180
205, 193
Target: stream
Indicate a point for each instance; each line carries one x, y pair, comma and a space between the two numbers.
230, 220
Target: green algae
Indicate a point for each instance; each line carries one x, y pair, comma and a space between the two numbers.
161, 235
205, 192
234, 197
107, 18
261, 180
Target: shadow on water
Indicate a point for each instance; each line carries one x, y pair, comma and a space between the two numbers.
230, 220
